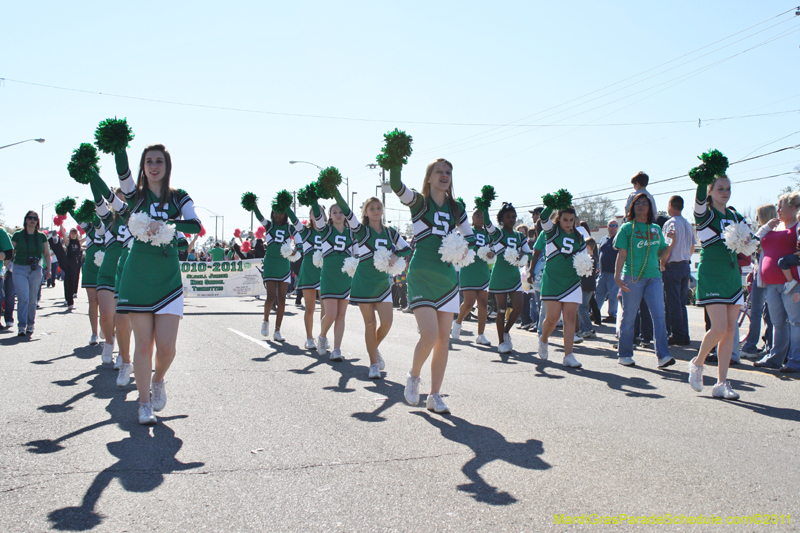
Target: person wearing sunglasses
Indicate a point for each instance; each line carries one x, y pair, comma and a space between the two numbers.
30, 248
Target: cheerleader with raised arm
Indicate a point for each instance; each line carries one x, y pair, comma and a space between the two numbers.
513, 252
719, 283
277, 269
379, 251
310, 269
337, 257
432, 281
473, 280
561, 282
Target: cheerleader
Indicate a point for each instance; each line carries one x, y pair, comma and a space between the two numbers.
561, 284
372, 288
308, 280
432, 283
337, 241
719, 282
151, 291
277, 269
506, 281
473, 280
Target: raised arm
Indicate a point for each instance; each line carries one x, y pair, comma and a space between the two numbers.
188, 221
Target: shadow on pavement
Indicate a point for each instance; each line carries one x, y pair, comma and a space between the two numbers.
780, 413
392, 391
488, 445
84, 352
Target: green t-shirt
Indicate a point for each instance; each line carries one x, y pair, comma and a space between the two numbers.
647, 241
217, 254
5, 241
541, 242
22, 252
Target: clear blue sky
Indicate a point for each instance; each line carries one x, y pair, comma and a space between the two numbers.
420, 66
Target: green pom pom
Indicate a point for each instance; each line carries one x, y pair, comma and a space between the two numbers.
560, 200
461, 201
249, 201
329, 179
488, 193
713, 165
308, 194
396, 151
113, 135
84, 159
85, 213
481, 204
282, 201
65, 206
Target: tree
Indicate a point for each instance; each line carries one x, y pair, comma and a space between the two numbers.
596, 211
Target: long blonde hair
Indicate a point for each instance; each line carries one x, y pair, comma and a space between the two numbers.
450, 197
765, 213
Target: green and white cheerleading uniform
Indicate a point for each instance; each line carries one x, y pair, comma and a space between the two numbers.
151, 279
311, 239
506, 277
475, 277
275, 266
431, 281
718, 277
95, 242
370, 285
116, 235
336, 247
560, 280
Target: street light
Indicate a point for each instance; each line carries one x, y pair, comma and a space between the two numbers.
346, 180
352, 199
27, 140
216, 218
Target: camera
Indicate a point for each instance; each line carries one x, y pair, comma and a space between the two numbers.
33, 262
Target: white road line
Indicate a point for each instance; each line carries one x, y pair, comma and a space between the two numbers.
261, 343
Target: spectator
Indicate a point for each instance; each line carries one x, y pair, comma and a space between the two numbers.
7, 293
639, 182
588, 286
30, 248
677, 272
758, 293
72, 268
606, 286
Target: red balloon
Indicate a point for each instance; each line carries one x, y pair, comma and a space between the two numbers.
246, 246
237, 232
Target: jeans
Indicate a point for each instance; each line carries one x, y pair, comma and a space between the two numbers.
651, 291
534, 307
526, 309
584, 320
9, 297
607, 287
676, 285
643, 325
758, 296
785, 315
542, 317
27, 282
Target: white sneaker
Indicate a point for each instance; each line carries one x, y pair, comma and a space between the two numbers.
124, 376
108, 353
695, 376
504, 348
118, 362
72, 307
412, 389
577, 340
310, 344
543, 355
265, 328
455, 331
723, 390
277, 337
146, 416
664, 362
375, 371
570, 361
93, 339
322, 345
482, 340
381, 362
626, 361
507, 340
787, 288
336, 355
158, 395
436, 404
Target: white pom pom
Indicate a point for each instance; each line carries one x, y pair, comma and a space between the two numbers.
98, 258
583, 264
512, 256
139, 226
290, 252
317, 259
455, 250
739, 239
381, 259
483, 255
164, 235
350, 265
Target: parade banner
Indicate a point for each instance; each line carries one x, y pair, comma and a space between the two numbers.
219, 279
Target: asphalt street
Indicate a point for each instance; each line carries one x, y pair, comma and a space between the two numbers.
262, 436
